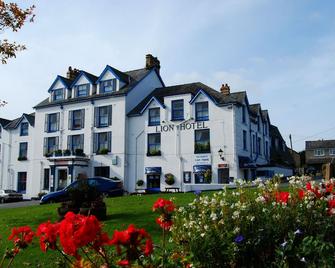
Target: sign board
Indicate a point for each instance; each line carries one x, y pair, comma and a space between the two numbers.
181, 127
225, 165
187, 176
202, 159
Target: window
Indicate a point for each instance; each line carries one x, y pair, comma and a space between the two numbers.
22, 182
154, 117
76, 119
283, 146
177, 109
319, 152
75, 142
258, 123
253, 143
24, 129
154, 144
46, 179
51, 122
245, 140
102, 171
266, 128
332, 151
50, 145
102, 142
103, 116
58, 94
0, 131
243, 114
201, 111
108, 86
259, 145
202, 141
82, 90
266, 149
23, 151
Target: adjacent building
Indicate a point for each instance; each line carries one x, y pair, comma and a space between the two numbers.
129, 125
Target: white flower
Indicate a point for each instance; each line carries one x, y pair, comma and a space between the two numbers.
236, 230
284, 244
260, 199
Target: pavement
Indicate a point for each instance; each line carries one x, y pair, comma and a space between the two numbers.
25, 203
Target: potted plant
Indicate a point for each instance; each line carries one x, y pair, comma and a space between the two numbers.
22, 158
140, 183
154, 152
48, 154
58, 153
79, 152
67, 152
169, 179
103, 151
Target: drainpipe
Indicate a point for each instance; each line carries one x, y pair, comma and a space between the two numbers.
136, 139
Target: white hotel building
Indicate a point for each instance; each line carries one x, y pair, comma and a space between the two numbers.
131, 126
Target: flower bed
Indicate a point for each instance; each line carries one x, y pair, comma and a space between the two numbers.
265, 227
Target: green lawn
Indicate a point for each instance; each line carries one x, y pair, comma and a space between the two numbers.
121, 211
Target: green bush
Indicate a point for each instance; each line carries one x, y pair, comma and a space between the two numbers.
261, 228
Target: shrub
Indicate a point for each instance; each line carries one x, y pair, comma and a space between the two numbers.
80, 152
169, 179
260, 228
140, 183
66, 152
103, 151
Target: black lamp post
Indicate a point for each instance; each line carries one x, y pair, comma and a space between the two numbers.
221, 154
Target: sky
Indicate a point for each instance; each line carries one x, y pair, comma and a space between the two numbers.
281, 52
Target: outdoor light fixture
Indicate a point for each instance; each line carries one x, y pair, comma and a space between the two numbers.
221, 154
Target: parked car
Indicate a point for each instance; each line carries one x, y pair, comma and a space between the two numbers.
105, 186
10, 195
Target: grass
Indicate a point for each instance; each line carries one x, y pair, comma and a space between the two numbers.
121, 211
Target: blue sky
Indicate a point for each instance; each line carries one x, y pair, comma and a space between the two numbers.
281, 52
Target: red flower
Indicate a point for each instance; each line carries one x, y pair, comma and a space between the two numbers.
329, 187
77, 231
135, 243
314, 190
21, 236
123, 263
163, 206
282, 197
164, 223
331, 206
301, 194
48, 233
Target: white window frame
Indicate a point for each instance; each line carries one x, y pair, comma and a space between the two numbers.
332, 151
319, 152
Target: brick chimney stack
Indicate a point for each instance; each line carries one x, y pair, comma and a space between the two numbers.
225, 89
152, 62
72, 73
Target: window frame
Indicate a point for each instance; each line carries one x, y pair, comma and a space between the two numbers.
197, 142
331, 151
157, 146
174, 117
79, 112
245, 142
243, 114
57, 97
154, 122
22, 180
203, 117
24, 131
55, 123
82, 88
113, 85
321, 150
23, 150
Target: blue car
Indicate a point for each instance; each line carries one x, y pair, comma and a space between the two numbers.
105, 186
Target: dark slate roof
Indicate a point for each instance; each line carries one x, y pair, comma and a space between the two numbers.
91, 77
135, 77
14, 123
254, 108
123, 76
67, 81
4, 122
30, 118
320, 144
278, 156
265, 115
191, 88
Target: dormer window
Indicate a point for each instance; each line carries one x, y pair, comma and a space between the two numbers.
108, 86
58, 94
82, 90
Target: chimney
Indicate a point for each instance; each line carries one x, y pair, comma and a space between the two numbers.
72, 73
225, 89
152, 62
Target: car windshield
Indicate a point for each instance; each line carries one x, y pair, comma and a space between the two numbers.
9, 191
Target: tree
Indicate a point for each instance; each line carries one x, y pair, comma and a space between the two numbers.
12, 17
